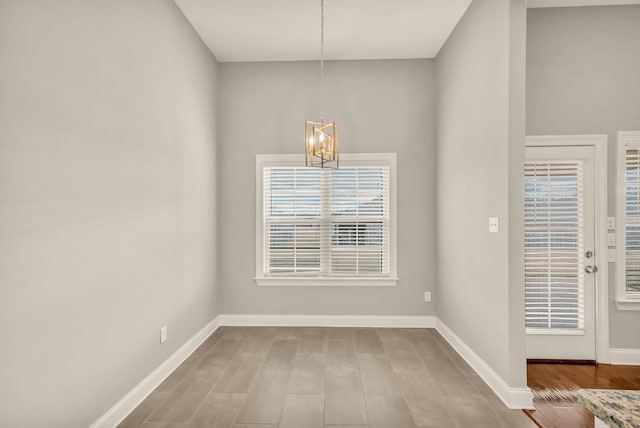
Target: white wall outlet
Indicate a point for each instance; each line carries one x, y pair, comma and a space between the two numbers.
163, 334
494, 225
611, 239
611, 254
611, 223
427, 296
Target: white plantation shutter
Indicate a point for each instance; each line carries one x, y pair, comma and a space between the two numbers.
554, 245
292, 220
360, 220
326, 222
632, 218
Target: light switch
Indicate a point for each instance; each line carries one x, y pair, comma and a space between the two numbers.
494, 225
611, 239
611, 223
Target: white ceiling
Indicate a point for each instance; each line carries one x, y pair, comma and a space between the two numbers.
286, 30
289, 30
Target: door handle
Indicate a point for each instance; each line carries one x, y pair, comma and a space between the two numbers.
590, 269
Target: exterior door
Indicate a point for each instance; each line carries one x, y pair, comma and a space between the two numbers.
560, 259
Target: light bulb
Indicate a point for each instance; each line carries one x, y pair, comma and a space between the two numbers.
321, 138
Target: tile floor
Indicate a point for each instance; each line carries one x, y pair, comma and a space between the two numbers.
269, 377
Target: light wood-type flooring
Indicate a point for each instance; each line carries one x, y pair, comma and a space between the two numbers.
555, 390
268, 377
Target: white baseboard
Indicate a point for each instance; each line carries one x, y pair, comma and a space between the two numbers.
129, 402
328, 321
513, 398
626, 357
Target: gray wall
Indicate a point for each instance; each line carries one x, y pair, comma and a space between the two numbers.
107, 201
583, 77
380, 106
480, 114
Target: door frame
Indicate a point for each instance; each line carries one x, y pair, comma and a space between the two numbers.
599, 143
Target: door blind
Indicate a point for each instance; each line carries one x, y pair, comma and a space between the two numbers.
326, 222
632, 218
554, 245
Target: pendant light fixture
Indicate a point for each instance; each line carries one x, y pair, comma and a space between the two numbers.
321, 138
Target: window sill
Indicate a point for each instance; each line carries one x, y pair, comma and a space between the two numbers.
625, 304
555, 331
326, 282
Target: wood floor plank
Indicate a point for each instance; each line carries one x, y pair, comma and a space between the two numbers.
303, 411
267, 395
339, 333
471, 411
403, 356
218, 410
255, 347
255, 426
346, 426
345, 408
145, 409
184, 401
238, 376
343, 378
282, 350
341, 351
210, 342
252, 377
377, 375
308, 375
388, 411
367, 341
427, 406
165, 425
555, 388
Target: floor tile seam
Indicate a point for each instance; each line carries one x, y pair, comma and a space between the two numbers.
211, 391
417, 353
174, 389
404, 397
364, 398
445, 351
235, 419
484, 398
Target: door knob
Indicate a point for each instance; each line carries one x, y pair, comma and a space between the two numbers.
590, 269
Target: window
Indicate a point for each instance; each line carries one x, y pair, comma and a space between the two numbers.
554, 246
326, 226
628, 273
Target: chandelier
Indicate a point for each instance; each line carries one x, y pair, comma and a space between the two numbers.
321, 138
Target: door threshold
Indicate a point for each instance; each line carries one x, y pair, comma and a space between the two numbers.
561, 361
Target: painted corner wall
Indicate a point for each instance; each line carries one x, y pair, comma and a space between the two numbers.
583, 77
107, 201
380, 106
480, 155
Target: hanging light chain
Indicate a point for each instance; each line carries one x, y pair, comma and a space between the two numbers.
322, 61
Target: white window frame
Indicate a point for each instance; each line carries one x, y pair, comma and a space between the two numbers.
346, 160
624, 300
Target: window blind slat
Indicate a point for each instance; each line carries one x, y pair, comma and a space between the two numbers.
554, 243
632, 218
331, 222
